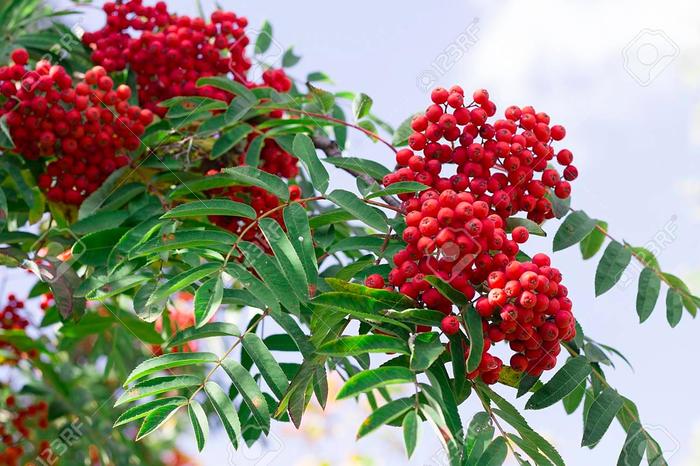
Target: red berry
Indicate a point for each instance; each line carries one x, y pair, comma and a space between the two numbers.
450, 325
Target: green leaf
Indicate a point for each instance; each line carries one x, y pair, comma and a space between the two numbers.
228, 85
472, 319
357, 306
212, 329
352, 204
361, 106
266, 364
447, 290
142, 410
510, 414
156, 418
252, 155
5, 136
259, 289
168, 361
531, 226
674, 307
305, 151
410, 432
299, 232
399, 188
4, 212
426, 348
185, 239
634, 446
576, 226
229, 138
224, 408
615, 260
360, 344
459, 365
647, 293
271, 276
403, 131
573, 400
368, 167
182, 280
591, 244
237, 109
156, 386
323, 99
560, 207
251, 176
390, 299
204, 184
375, 378
495, 454
264, 39
208, 207
289, 58
249, 390
95, 200
573, 373
600, 415
286, 256
479, 433
418, 316
385, 414
200, 424
207, 300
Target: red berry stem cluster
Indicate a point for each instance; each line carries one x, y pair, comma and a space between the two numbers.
168, 52
26, 424
12, 318
479, 175
86, 128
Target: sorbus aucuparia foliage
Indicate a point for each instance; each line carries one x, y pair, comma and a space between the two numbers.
86, 128
455, 230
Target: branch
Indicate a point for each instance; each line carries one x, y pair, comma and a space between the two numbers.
331, 149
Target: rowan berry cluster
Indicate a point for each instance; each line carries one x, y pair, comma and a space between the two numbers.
47, 301
167, 52
457, 229
274, 159
26, 423
496, 162
87, 127
261, 201
12, 318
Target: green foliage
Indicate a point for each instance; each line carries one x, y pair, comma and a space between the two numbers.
164, 230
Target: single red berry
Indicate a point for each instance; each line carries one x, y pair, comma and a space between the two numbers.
450, 325
374, 281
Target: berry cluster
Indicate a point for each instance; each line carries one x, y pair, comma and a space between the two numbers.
46, 301
496, 162
456, 229
11, 318
276, 161
87, 127
261, 201
169, 53
25, 422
